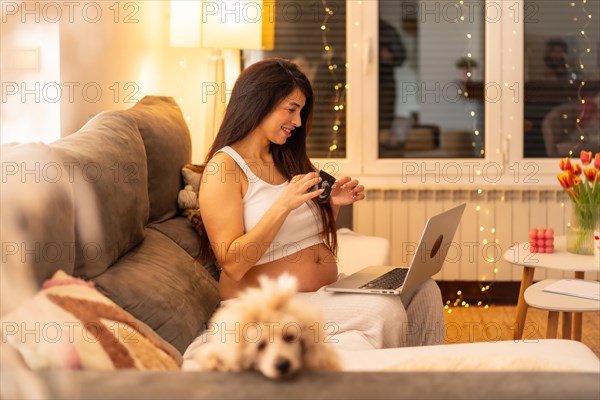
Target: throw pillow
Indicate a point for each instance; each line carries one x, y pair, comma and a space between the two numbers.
69, 324
188, 196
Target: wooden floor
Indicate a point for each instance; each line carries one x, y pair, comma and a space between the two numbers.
477, 324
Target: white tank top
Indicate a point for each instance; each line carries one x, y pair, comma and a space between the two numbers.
301, 229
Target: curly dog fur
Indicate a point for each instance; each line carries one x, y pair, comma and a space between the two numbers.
267, 330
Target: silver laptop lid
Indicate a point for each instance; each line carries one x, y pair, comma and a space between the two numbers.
436, 240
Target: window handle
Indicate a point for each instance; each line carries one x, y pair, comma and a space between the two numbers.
368, 54
505, 154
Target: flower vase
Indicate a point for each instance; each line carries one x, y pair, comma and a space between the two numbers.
597, 243
580, 229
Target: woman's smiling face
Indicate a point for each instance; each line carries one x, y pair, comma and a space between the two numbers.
279, 124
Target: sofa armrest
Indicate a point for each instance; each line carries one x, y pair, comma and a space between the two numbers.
356, 251
526, 355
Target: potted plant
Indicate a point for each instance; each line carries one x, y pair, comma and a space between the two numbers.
582, 184
466, 65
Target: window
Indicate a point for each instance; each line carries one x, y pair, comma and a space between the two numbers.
562, 78
465, 84
431, 61
321, 55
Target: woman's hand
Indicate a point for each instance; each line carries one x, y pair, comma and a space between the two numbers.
296, 193
346, 191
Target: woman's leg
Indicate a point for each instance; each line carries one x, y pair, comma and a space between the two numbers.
382, 321
425, 312
360, 321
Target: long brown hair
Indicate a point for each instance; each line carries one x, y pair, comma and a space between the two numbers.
257, 91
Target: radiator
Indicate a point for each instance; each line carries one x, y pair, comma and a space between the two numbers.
493, 221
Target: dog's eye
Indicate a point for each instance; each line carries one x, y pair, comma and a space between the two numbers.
262, 345
289, 338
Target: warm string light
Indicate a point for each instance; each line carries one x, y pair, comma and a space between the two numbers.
484, 284
587, 17
485, 287
470, 65
459, 301
339, 87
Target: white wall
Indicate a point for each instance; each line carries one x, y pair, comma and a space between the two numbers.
29, 73
103, 55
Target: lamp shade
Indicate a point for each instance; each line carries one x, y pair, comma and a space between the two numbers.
239, 24
226, 24
185, 23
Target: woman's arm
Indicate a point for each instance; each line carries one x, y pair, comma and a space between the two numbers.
345, 191
221, 207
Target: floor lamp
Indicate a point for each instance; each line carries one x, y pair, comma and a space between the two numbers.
231, 24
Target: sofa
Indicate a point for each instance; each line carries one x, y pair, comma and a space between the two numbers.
101, 205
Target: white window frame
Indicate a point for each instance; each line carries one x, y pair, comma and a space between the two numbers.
503, 163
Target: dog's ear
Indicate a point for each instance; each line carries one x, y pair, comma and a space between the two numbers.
318, 355
277, 293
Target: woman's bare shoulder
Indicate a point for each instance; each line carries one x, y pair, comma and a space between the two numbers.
223, 177
222, 168
221, 159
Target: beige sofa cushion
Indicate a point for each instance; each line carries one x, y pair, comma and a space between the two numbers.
357, 251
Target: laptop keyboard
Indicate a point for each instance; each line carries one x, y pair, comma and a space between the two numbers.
390, 280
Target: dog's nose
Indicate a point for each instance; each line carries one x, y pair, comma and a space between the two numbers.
282, 365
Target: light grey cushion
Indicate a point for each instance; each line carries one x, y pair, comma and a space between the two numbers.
160, 284
107, 158
168, 148
37, 212
180, 230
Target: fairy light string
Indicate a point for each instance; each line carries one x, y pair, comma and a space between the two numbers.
339, 87
587, 17
470, 64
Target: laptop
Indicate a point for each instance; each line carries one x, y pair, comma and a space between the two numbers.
427, 261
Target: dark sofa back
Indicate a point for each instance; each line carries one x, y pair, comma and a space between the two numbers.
111, 205
168, 148
37, 217
82, 202
102, 204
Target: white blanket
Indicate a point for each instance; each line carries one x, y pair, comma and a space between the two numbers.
360, 321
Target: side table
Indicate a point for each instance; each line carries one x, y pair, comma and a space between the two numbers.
561, 260
556, 303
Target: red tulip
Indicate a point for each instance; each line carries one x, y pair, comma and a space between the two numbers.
576, 169
597, 161
585, 157
565, 164
576, 180
590, 173
573, 194
565, 179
